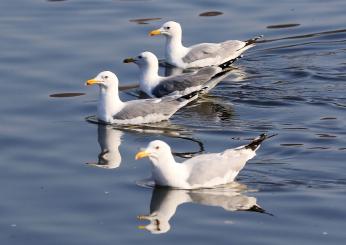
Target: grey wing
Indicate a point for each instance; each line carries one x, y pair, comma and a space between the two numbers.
232, 46
202, 51
186, 82
213, 50
142, 108
207, 167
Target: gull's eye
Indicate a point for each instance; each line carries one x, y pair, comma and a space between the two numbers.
140, 57
157, 147
105, 77
167, 28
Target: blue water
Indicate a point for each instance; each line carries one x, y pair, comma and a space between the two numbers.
292, 84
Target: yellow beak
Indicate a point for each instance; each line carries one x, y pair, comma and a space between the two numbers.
91, 82
155, 32
141, 154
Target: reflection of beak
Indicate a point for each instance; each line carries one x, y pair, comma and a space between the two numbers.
129, 60
155, 32
141, 154
141, 227
91, 82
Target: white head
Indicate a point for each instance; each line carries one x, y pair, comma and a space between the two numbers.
168, 29
158, 152
105, 80
109, 102
144, 60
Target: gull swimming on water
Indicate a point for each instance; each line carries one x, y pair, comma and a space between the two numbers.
111, 109
202, 54
203, 171
154, 85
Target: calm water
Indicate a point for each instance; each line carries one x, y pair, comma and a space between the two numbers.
293, 84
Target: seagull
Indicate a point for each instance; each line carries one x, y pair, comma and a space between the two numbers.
154, 85
203, 171
202, 54
111, 110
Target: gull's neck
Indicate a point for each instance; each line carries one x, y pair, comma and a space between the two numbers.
167, 172
149, 76
175, 50
109, 103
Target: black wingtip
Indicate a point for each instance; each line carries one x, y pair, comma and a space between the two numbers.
258, 209
190, 95
230, 62
257, 141
253, 40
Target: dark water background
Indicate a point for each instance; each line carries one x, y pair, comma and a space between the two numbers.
293, 84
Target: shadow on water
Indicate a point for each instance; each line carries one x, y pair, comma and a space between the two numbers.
165, 202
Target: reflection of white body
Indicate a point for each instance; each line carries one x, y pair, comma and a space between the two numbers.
164, 203
109, 140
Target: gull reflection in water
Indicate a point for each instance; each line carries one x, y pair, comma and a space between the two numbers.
165, 201
109, 140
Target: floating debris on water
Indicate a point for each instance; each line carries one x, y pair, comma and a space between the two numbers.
328, 118
210, 13
282, 26
65, 95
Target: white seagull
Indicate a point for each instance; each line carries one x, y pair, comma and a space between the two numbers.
111, 109
154, 85
202, 54
203, 171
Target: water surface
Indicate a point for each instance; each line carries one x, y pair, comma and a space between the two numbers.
292, 83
